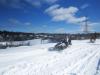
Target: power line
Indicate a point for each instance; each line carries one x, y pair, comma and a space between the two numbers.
86, 27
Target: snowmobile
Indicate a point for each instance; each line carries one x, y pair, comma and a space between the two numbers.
59, 46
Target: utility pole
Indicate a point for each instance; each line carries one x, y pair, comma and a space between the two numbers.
86, 27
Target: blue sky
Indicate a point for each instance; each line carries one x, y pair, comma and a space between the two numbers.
53, 16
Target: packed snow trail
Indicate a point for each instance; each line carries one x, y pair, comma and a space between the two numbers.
82, 58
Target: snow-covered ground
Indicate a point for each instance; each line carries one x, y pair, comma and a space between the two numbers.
82, 58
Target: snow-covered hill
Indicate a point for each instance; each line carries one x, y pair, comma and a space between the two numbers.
82, 58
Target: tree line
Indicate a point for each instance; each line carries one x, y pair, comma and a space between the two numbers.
22, 36
15, 36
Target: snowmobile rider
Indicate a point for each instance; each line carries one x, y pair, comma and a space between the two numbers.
69, 41
93, 37
65, 42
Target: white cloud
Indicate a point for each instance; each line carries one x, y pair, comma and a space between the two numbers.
44, 26
16, 22
39, 3
11, 3
23, 3
60, 30
28, 24
65, 14
93, 25
50, 1
68, 15
50, 9
84, 6
36, 3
